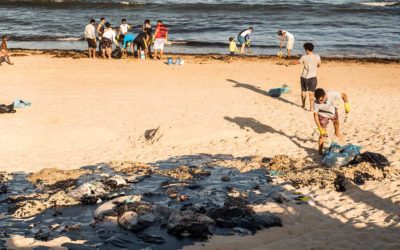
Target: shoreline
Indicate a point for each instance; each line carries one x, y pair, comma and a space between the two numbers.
78, 54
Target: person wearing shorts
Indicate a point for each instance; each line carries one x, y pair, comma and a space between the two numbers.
123, 30
141, 42
308, 79
129, 39
243, 37
284, 35
107, 40
90, 36
325, 110
160, 35
100, 31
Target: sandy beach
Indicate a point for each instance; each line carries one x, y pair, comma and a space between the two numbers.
86, 112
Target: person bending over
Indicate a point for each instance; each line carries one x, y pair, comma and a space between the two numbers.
129, 39
141, 42
243, 37
107, 40
325, 110
289, 38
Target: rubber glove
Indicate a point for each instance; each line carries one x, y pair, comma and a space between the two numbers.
347, 107
322, 131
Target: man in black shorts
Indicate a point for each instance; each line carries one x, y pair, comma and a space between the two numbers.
141, 42
308, 79
90, 36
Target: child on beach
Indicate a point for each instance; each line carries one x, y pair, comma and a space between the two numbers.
232, 46
308, 79
286, 36
325, 110
4, 57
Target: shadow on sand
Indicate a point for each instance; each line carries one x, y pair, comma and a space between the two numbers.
260, 91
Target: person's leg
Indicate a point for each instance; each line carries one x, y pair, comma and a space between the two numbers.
161, 54
242, 48
321, 142
311, 98
335, 121
94, 52
303, 92
289, 51
109, 51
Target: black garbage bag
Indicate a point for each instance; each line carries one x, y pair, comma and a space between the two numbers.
376, 159
117, 53
7, 108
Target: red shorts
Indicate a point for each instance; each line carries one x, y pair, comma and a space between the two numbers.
324, 121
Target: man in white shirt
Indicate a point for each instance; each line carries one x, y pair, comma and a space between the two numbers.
123, 30
244, 37
284, 35
90, 37
325, 110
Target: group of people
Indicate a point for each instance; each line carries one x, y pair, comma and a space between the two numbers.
103, 36
244, 40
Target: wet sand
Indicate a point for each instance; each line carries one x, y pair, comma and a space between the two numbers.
85, 112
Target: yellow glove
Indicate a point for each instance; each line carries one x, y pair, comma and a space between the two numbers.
347, 107
322, 131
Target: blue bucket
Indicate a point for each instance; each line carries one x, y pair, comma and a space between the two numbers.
169, 61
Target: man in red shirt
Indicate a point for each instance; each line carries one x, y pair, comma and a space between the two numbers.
161, 36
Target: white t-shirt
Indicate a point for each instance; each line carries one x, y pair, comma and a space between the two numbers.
245, 33
328, 108
124, 28
90, 32
310, 63
289, 35
110, 34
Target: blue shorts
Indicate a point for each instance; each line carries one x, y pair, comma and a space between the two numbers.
241, 40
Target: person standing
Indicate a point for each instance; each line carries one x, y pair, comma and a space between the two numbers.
325, 110
308, 79
289, 38
4, 51
243, 37
107, 40
91, 38
123, 30
161, 36
147, 28
232, 46
100, 31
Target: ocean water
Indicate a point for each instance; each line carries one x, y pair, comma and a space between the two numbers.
338, 28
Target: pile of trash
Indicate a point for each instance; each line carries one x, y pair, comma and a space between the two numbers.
340, 166
128, 204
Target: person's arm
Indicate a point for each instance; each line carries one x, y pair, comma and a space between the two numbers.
115, 40
166, 35
321, 130
155, 33
98, 30
319, 61
346, 103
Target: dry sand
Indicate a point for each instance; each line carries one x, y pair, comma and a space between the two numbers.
85, 112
